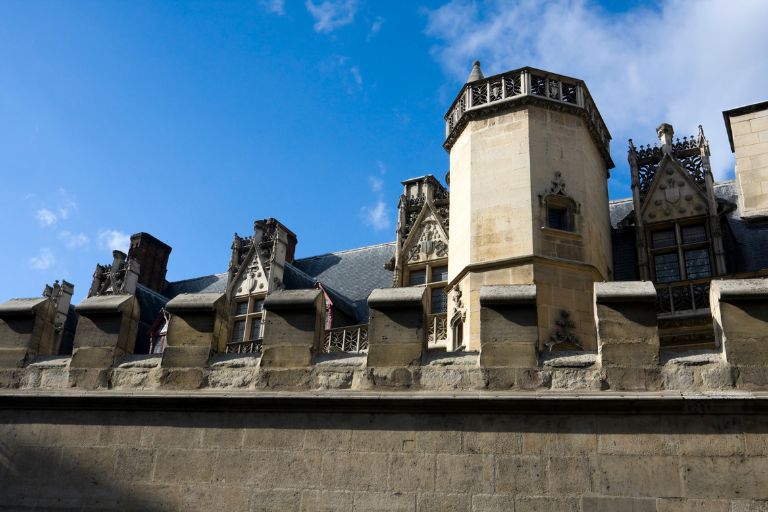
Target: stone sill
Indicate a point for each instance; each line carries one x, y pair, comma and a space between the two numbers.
395, 402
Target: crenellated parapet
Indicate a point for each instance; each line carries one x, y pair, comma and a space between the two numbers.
511, 357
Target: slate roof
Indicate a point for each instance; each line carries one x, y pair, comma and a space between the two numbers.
347, 276
353, 274
215, 283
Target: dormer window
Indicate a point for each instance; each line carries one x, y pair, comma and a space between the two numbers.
681, 252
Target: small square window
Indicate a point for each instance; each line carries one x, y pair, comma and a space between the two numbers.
416, 277
694, 234
697, 263
256, 329
241, 308
663, 238
557, 218
439, 301
667, 267
238, 331
258, 305
439, 274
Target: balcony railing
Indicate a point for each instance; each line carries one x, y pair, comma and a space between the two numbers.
437, 329
523, 82
244, 347
691, 297
353, 338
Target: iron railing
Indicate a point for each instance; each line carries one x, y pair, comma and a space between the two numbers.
352, 338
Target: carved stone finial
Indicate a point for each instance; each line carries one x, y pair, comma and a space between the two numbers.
665, 133
476, 73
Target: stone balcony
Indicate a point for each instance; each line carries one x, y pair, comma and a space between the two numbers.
524, 86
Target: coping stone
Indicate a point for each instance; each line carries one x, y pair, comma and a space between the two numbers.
193, 302
21, 307
740, 289
291, 299
397, 297
501, 294
103, 304
625, 291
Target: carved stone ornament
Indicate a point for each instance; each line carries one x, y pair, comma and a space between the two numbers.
119, 278
254, 279
459, 313
557, 185
672, 195
562, 337
430, 243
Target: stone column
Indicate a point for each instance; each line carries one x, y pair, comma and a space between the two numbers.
628, 334
396, 330
105, 330
293, 328
197, 327
26, 330
740, 316
508, 326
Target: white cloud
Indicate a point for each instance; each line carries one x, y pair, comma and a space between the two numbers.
45, 217
74, 240
684, 63
376, 215
358, 78
332, 14
274, 6
345, 74
377, 184
66, 202
112, 239
43, 261
375, 27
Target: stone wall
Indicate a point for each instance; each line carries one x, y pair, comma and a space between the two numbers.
401, 453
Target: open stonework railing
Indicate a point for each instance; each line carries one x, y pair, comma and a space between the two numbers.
244, 347
352, 338
691, 297
437, 329
521, 83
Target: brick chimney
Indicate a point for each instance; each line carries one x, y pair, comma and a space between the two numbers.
152, 256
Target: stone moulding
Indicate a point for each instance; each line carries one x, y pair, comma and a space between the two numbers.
397, 402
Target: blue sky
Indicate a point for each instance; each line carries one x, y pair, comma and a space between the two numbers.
189, 120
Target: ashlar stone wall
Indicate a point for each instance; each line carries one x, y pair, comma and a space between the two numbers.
155, 455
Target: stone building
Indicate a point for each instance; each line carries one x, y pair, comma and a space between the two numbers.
524, 343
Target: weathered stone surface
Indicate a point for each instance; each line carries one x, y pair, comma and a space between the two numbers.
508, 326
106, 330
740, 313
293, 327
196, 329
26, 330
396, 335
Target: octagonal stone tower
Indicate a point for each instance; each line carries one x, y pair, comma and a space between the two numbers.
529, 163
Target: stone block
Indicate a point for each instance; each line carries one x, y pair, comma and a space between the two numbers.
740, 316
105, 330
285, 500
607, 504
439, 502
180, 465
384, 502
197, 328
411, 472
621, 475
508, 326
627, 329
725, 477
465, 473
293, 328
26, 330
361, 471
521, 475
396, 330
325, 501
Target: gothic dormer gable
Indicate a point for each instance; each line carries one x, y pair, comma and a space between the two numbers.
428, 239
673, 194
253, 278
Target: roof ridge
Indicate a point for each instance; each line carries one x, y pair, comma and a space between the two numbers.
196, 278
151, 291
344, 251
